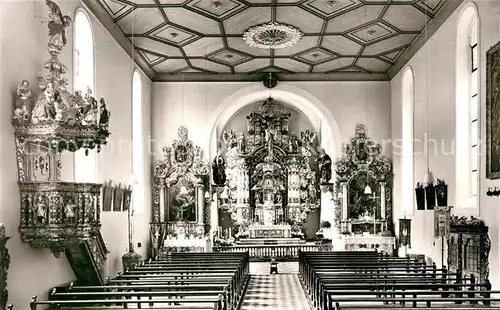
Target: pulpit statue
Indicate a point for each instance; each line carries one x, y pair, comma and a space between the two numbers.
325, 166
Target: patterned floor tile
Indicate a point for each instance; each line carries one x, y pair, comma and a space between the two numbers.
274, 291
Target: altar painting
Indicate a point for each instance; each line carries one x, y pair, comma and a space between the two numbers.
182, 201
362, 205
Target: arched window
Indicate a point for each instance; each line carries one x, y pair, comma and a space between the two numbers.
137, 138
467, 109
83, 79
407, 141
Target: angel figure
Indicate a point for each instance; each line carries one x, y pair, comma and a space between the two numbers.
23, 102
57, 26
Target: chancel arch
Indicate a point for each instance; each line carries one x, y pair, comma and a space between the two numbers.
311, 107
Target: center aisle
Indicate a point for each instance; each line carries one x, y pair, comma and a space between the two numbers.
274, 291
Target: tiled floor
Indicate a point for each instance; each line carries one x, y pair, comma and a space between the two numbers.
277, 291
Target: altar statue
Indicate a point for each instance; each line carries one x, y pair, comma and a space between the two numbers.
218, 170
271, 179
325, 166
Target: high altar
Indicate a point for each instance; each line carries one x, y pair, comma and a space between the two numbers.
265, 178
363, 204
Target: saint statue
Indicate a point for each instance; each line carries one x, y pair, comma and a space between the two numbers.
242, 143
41, 209
218, 170
44, 107
69, 210
23, 102
325, 166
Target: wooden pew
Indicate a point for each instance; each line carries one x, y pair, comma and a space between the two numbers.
335, 280
180, 283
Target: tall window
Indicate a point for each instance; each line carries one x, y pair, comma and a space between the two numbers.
467, 109
407, 142
473, 106
137, 138
83, 71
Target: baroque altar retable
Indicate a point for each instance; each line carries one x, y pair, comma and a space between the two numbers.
363, 203
270, 185
180, 213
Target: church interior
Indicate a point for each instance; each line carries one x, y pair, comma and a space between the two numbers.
250, 154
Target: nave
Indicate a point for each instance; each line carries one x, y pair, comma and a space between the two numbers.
280, 291
330, 280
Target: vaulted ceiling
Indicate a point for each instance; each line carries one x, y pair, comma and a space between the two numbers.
203, 39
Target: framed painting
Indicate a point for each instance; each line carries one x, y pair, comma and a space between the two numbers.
493, 112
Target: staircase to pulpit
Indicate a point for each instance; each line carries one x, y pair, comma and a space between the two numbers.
88, 261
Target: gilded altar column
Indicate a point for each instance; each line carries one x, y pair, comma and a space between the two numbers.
162, 201
343, 219
344, 202
200, 199
382, 201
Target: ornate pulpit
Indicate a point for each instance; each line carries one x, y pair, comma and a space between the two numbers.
180, 217
55, 214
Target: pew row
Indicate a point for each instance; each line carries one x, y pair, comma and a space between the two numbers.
182, 281
369, 280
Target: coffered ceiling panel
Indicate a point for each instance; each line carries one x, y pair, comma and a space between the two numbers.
203, 39
335, 64
237, 24
253, 65
192, 20
354, 18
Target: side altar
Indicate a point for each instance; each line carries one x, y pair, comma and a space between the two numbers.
267, 178
363, 203
181, 214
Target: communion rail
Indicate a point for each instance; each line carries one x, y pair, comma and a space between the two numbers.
280, 252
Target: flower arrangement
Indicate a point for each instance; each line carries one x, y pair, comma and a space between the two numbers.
223, 242
298, 234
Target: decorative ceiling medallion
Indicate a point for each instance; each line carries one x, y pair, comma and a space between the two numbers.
272, 35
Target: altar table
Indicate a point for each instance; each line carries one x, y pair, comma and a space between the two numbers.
370, 243
270, 231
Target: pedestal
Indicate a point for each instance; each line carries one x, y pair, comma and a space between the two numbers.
131, 259
327, 211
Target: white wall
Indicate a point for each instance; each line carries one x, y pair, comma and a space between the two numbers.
195, 105
24, 39
434, 72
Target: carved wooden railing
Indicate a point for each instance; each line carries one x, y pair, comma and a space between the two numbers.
265, 252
